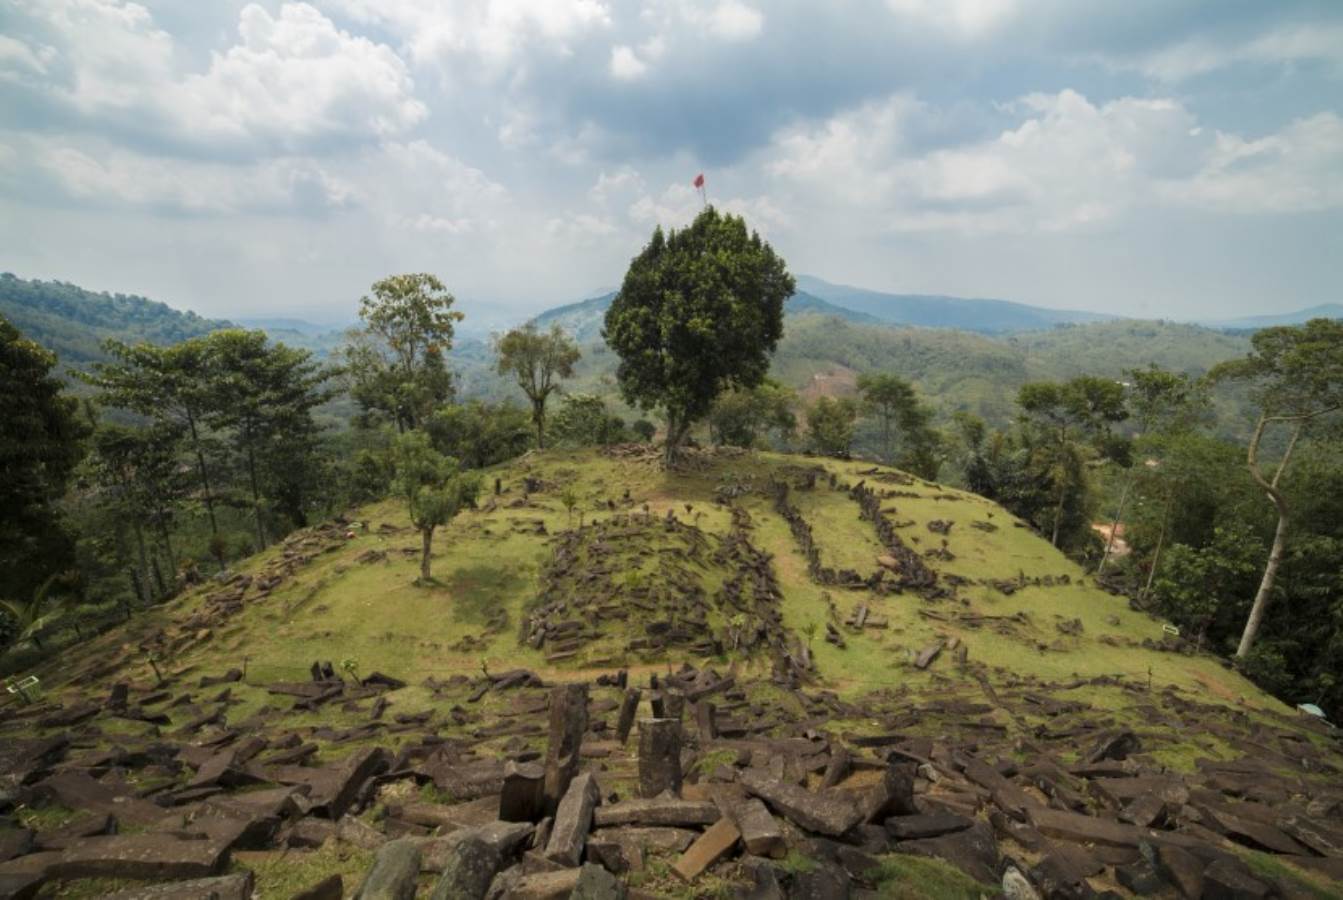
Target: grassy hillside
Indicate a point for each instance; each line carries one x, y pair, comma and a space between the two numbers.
913, 617
356, 597
74, 322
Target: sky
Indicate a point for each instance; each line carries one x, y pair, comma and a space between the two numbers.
1152, 158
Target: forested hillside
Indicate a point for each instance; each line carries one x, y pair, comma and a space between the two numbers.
74, 322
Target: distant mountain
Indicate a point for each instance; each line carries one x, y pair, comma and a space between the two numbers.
74, 322
935, 311
1252, 323
298, 326
583, 320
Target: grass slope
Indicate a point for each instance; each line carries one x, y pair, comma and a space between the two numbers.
488, 567
349, 594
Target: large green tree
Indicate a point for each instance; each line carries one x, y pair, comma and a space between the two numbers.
168, 384
1159, 402
1066, 420
1297, 379
41, 441
139, 484
700, 311
263, 395
536, 360
741, 416
434, 488
397, 360
830, 425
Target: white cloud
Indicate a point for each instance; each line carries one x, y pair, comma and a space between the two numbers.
17, 58
1067, 164
970, 18
1297, 169
292, 81
734, 21
626, 65
1320, 42
493, 32
106, 177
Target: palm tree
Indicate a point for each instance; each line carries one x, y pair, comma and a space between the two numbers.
31, 617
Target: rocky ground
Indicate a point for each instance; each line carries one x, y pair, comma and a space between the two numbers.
691, 783
685, 738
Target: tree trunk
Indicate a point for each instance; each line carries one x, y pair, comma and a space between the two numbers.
205, 475
428, 535
168, 546
1275, 555
539, 417
1114, 526
256, 497
1156, 554
143, 573
676, 434
1058, 519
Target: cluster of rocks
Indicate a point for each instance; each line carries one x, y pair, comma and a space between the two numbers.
573, 790
588, 593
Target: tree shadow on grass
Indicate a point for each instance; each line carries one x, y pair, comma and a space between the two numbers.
479, 591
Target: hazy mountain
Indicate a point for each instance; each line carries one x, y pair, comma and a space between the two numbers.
933, 311
583, 320
1323, 311
74, 322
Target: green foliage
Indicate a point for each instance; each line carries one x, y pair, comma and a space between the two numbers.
742, 417
397, 362
830, 425
1197, 586
74, 323
41, 441
585, 421
643, 429
1297, 379
699, 311
536, 361
262, 396
433, 488
908, 439
479, 434
27, 618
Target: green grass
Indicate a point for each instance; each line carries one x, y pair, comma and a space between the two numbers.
488, 564
901, 877
1311, 884
286, 873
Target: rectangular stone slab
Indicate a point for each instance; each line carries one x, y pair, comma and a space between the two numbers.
1085, 829
573, 819
830, 813
658, 811
760, 831
710, 847
146, 856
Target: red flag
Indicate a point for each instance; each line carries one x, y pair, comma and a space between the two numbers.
699, 180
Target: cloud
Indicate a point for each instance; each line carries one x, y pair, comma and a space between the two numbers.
731, 20
109, 178
493, 33
626, 65
969, 18
1201, 54
293, 81
1067, 163
1297, 169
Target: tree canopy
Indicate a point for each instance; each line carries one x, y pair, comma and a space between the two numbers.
700, 310
536, 360
397, 361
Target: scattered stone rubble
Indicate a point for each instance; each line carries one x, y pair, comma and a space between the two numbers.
571, 790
